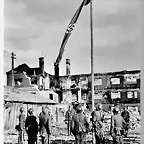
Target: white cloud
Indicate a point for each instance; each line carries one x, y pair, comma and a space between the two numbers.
31, 29
115, 6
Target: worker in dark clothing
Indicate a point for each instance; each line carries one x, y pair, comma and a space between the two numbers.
31, 126
80, 126
68, 118
73, 112
74, 106
21, 126
50, 122
117, 125
97, 120
126, 116
45, 125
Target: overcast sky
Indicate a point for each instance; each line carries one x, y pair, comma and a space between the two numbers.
36, 26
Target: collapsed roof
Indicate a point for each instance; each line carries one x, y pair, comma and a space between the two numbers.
15, 95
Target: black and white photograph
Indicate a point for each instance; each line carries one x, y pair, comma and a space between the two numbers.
72, 72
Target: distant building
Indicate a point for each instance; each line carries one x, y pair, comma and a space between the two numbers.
37, 75
111, 87
33, 80
121, 86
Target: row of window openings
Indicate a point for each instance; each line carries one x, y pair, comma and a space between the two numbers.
50, 95
115, 81
112, 80
96, 81
113, 95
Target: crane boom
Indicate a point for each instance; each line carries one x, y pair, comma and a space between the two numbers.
69, 30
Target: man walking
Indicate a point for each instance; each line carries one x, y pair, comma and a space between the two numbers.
80, 126
117, 125
45, 126
31, 126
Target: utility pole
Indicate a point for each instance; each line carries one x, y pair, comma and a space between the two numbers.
92, 63
92, 59
13, 56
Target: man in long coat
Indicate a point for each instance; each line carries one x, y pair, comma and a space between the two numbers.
45, 125
31, 126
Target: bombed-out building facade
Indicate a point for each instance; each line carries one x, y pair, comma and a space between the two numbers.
111, 87
121, 86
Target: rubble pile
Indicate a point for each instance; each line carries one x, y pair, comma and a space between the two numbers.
59, 130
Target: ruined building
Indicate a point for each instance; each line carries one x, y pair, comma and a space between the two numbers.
121, 86
37, 75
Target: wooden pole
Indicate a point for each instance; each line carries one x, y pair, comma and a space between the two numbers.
142, 76
92, 63
13, 57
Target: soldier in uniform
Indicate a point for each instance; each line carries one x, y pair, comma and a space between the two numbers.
97, 120
31, 126
80, 126
126, 116
45, 125
21, 126
72, 113
117, 125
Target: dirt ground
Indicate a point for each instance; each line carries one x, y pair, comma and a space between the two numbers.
59, 136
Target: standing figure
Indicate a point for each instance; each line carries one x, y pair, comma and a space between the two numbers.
126, 116
117, 125
72, 113
80, 126
50, 123
21, 126
31, 126
97, 120
68, 118
45, 125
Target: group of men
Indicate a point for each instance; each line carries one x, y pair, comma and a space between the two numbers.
32, 127
78, 124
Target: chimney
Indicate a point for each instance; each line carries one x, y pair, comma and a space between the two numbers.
67, 66
41, 64
56, 67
